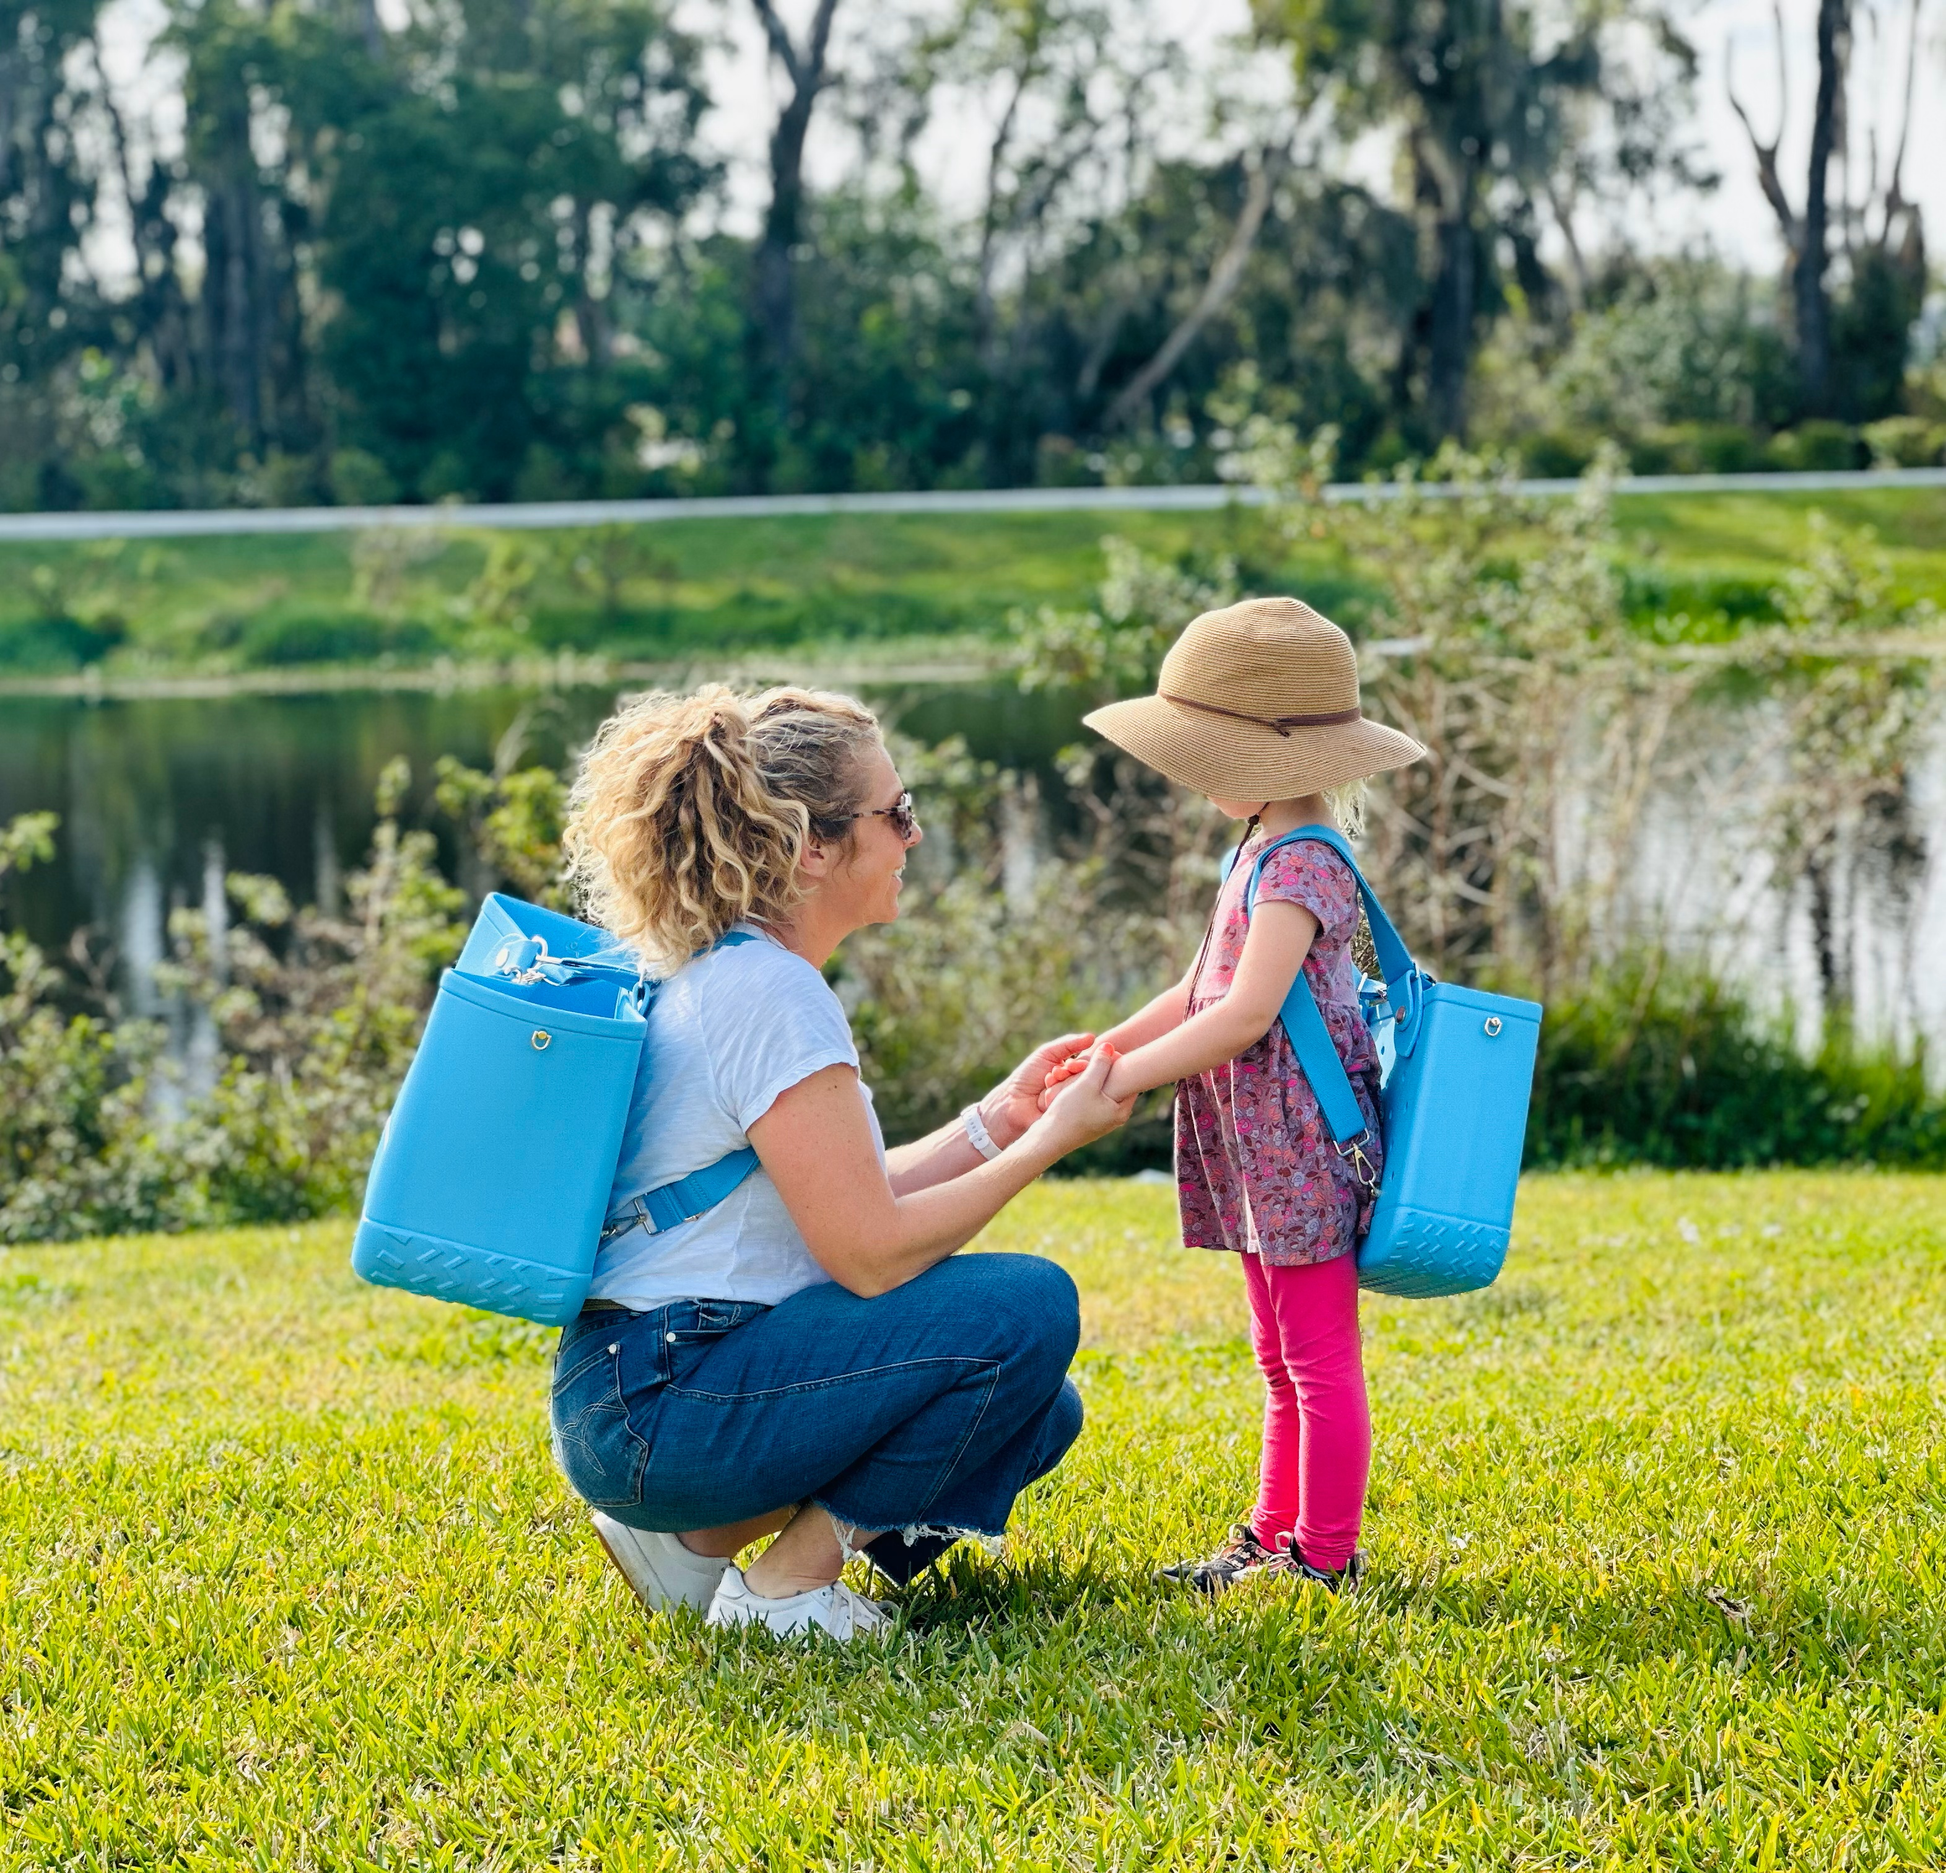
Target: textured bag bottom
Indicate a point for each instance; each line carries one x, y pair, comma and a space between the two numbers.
1421, 1254
469, 1276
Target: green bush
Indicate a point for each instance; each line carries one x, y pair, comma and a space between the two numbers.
315, 1020
58, 642
1816, 445
333, 637
1557, 454
1657, 1064
1906, 442
1697, 449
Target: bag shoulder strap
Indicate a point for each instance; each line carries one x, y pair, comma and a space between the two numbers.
688, 1197
1303, 1021
1394, 959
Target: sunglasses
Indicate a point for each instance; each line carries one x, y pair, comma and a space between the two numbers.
905, 822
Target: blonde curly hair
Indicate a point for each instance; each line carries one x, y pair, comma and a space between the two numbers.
690, 813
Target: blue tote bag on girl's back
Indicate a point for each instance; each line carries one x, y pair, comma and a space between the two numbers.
1453, 1107
492, 1178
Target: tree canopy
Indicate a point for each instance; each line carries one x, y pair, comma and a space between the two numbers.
488, 252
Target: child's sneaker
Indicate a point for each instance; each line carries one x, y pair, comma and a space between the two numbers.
1291, 1565
1238, 1558
658, 1567
835, 1609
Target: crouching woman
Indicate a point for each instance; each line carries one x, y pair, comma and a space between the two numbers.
808, 1355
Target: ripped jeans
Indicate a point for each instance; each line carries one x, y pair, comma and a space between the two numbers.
926, 1409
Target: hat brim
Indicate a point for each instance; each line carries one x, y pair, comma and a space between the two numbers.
1240, 761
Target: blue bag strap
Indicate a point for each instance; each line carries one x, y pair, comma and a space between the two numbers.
1303, 1021
670, 1204
1395, 962
688, 1197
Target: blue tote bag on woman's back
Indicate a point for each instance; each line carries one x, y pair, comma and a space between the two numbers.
493, 1176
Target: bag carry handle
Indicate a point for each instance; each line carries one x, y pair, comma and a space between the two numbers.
1304, 1022
528, 960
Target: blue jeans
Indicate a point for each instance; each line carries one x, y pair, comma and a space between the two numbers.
926, 1409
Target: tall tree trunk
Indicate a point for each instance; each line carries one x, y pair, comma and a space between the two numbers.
1810, 303
1448, 186
774, 286
1449, 336
237, 336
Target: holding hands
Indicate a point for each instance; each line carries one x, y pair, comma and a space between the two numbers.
1026, 1098
1073, 1065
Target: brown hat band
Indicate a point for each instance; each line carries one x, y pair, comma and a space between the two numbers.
1283, 724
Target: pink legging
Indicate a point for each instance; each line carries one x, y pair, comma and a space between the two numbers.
1317, 1425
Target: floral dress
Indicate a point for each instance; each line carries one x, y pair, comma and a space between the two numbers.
1256, 1169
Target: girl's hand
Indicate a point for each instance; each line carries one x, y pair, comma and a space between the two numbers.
1059, 1075
1016, 1102
1064, 1070
1080, 1110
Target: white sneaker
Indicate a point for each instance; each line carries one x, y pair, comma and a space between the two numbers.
835, 1609
661, 1570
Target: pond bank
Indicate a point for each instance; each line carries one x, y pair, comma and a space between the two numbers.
969, 661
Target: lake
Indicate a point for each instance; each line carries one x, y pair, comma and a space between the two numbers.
159, 797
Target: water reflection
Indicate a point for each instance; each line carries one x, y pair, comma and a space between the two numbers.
159, 798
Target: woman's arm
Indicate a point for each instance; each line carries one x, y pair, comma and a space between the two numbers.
1280, 938
816, 1143
1006, 1112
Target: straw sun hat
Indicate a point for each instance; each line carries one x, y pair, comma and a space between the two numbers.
1258, 701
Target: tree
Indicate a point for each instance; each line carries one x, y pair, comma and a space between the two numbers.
1888, 269
773, 281
1489, 99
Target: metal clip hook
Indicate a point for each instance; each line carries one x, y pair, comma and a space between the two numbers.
1362, 1171
536, 970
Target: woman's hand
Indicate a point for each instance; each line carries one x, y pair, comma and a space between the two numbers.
1016, 1102
1060, 1073
1079, 1111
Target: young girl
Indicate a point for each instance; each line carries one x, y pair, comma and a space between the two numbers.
1257, 707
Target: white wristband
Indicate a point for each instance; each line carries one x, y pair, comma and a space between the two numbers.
976, 1129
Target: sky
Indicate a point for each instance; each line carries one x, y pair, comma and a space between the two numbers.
1733, 35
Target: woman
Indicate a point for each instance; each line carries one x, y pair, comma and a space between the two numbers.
804, 1356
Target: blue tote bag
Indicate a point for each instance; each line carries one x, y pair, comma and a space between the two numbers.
1453, 1107
492, 1179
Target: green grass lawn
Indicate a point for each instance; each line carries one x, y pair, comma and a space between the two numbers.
1655, 1528
715, 586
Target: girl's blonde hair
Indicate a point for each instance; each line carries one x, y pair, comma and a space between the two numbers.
691, 813
1349, 804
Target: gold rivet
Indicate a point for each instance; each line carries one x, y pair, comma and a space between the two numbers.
541, 1038
1493, 1024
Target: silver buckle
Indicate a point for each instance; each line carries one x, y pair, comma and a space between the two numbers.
621, 1225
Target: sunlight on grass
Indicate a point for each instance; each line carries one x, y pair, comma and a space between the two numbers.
1655, 1526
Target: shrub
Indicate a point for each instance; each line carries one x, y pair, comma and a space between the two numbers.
1816, 445
1557, 454
333, 637
1905, 442
314, 1019
1697, 449
1656, 1063
358, 478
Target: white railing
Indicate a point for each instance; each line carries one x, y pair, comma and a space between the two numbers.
171, 524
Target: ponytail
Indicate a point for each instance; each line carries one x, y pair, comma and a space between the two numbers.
691, 813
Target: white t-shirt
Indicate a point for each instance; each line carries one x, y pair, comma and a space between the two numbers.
727, 1033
